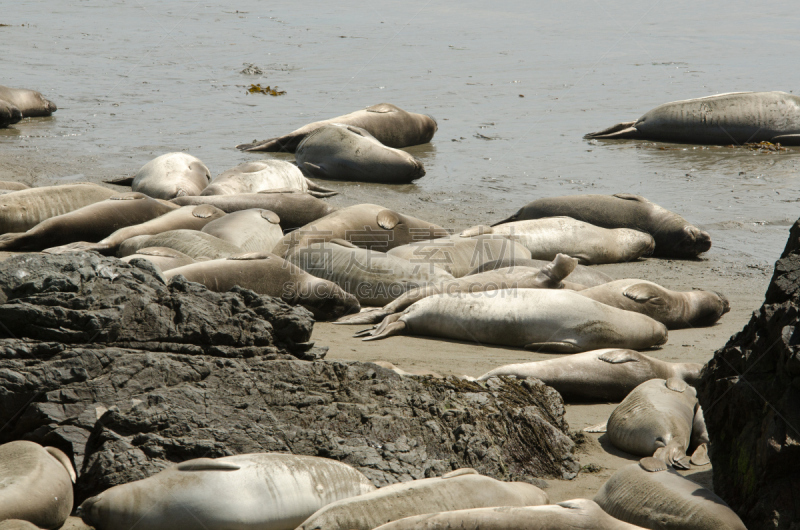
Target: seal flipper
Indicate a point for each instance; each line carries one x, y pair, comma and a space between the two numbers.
319, 191
786, 139
644, 292
555, 346
391, 325
619, 357
700, 456
460, 472
373, 316
207, 464
552, 274
382, 108
64, 461
122, 181
508, 219
600, 427
630, 197
81, 246
673, 454
619, 131
314, 170
287, 143
10, 241
653, 465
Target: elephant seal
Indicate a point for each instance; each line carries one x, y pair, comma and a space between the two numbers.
582, 275
268, 274
674, 236
458, 490
90, 223
373, 277
264, 175
24, 209
674, 309
162, 257
9, 114
195, 244
186, 217
390, 125
548, 277
577, 514
294, 208
591, 244
36, 484
651, 495
657, 419
13, 186
250, 230
722, 119
537, 319
171, 175
261, 490
30, 103
459, 255
345, 152
17, 524
365, 225
607, 375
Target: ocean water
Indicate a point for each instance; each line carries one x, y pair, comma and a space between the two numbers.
514, 86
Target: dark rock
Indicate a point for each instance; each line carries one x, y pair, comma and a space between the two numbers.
750, 393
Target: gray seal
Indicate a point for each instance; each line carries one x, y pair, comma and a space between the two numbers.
171, 175
250, 230
390, 125
606, 375
346, 152
264, 175
9, 114
723, 119
651, 495
195, 244
30, 103
674, 236
582, 275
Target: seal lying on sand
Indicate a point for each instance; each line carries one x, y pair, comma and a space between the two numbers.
36, 484
390, 125
458, 490
674, 236
196, 245
582, 275
9, 114
345, 152
536, 319
30, 103
250, 230
674, 309
600, 375
262, 490
162, 257
591, 244
548, 277
171, 175
577, 514
268, 274
294, 208
652, 496
264, 175
723, 119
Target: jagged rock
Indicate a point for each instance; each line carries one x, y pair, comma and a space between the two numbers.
750, 393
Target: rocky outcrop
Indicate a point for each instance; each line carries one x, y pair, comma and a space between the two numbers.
750, 393
128, 375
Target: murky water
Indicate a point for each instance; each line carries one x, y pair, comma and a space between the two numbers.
513, 85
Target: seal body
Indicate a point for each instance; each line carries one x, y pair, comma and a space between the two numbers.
252, 491
172, 175
197, 245
264, 175
13, 186
250, 230
29, 102
459, 490
652, 496
9, 114
35, 484
346, 152
390, 125
723, 119
268, 274
581, 275
162, 257
674, 236
609, 374
22, 210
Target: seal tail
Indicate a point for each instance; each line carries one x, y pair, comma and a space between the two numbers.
620, 131
673, 454
316, 190
365, 317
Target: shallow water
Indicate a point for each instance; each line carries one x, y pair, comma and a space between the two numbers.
133, 80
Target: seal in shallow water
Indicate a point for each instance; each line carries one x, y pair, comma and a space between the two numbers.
29, 102
9, 114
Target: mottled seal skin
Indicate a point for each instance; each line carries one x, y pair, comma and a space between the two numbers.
560, 321
30, 103
373, 277
390, 125
459, 255
674, 236
295, 208
577, 514
172, 175
186, 217
345, 152
90, 223
653, 496
723, 119
674, 309
657, 419
162, 257
582, 275
9, 114
250, 230
591, 244
24, 209
607, 375
195, 244
548, 277
264, 175
365, 225
268, 274
246, 492
458, 490
13, 186
36, 484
